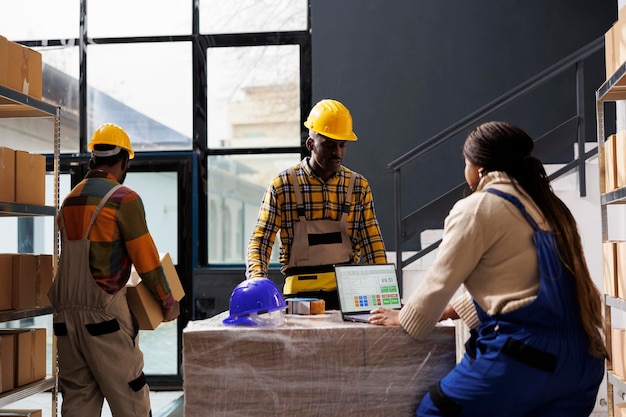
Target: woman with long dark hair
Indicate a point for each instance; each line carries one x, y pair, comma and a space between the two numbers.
536, 346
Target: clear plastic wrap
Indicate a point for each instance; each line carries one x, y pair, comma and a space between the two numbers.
310, 366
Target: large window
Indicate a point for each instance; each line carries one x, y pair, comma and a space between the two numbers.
235, 189
143, 87
253, 96
253, 101
39, 19
121, 18
158, 191
218, 87
249, 16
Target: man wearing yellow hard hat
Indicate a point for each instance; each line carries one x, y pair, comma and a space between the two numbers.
103, 233
323, 211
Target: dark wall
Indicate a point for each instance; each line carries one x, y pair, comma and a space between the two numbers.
408, 69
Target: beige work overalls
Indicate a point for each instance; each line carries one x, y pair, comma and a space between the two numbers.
98, 346
317, 243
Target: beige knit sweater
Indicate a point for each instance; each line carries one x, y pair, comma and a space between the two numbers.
487, 246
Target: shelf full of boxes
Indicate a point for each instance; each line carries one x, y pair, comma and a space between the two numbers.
612, 162
25, 277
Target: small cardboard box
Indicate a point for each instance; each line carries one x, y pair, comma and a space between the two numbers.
620, 250
305, 306
19, 413
610, 164
623, 351
33, 85
6, 281
30, 178
4, 45
609, 267
142, 303
24, 281
617, 350
615, 47
30, 354
7, 362
609, 52
7, 174
619, 43
44, 280
24, 70
620, 159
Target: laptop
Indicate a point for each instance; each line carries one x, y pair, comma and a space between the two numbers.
363, 287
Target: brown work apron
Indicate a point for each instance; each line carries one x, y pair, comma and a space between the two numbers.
317, 243
98, 344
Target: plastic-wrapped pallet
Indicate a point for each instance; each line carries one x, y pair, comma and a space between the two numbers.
313, 365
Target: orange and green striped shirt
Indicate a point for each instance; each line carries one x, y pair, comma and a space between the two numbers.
119, 236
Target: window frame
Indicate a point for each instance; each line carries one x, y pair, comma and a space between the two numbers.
194, 173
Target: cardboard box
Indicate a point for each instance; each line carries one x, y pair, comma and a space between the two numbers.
24, 281
7, 362
6, 281
615, 47
619, 43
620, 410
24, 70
30, 354
146, 309
609, 267
7, 174
33, 85
620, 250
30, 178
20, 413
44, 280
305, 306
4, 45
620, 159
310, 366
617, 351
609, 53
610, 164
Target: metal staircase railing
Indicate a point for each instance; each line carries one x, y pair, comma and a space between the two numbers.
432, 214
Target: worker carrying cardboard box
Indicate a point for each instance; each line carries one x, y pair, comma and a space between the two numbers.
103, 233
323, 211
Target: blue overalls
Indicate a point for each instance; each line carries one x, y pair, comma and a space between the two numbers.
533, 361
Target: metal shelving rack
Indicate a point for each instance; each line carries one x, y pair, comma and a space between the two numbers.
14, 104
612, 90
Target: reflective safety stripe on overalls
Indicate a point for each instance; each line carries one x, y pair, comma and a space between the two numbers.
533, 361
317, 246
98, 347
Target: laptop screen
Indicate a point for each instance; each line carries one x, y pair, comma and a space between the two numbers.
363, 287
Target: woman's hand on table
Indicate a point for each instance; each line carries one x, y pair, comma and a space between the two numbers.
449, 313
385, 317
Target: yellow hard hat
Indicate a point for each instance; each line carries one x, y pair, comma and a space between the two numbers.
332, 119
111, 134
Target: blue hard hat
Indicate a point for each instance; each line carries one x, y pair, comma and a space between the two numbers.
253, 297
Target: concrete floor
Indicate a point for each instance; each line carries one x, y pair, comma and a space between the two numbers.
164, 404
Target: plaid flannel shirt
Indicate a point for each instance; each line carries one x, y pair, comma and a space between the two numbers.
322, 200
